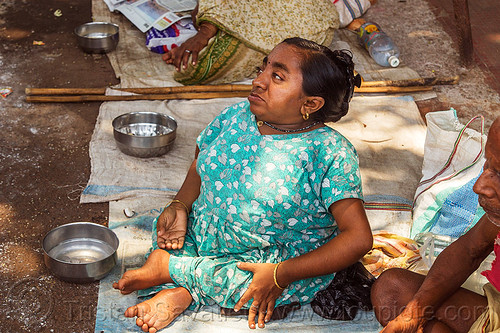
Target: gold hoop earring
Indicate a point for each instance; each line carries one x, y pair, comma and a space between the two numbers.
305, 116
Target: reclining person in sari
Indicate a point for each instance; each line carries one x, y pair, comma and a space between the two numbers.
405, 301
272, 205
233, 36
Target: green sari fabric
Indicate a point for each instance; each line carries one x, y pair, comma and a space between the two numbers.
249, 30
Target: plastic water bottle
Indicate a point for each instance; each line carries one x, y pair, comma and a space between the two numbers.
380, 46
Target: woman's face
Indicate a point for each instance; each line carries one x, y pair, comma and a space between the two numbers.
277, 95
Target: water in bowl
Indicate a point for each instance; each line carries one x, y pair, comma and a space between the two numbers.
145, 129
81, 251
97, 35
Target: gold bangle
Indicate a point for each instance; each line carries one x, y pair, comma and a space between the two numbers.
182, 203
274, 276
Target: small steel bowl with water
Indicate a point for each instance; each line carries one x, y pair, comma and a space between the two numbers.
80, 252
144, 134
97, 37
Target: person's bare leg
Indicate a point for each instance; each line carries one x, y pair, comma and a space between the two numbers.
159, 311
396, 287
153, 273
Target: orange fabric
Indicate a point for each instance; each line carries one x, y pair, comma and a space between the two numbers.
390, 250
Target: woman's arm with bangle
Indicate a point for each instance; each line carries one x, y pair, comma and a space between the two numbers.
172, 222
269, 280
353, 242
190, 189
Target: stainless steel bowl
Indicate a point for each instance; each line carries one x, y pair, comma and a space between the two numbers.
97, 37
80, 252
144, 134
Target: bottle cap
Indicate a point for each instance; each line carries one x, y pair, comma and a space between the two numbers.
393, 61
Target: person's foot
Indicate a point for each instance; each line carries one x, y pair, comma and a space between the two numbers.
355, 24
159, 311
153, 273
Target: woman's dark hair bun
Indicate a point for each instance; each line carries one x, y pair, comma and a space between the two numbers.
343, 58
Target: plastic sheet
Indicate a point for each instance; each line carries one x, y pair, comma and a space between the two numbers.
348, 293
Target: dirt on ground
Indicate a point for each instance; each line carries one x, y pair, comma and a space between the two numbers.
44, 160
417, 29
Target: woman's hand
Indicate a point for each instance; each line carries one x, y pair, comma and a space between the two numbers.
171, 227
263, 291
180, 55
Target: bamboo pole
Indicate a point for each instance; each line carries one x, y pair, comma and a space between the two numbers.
152, 90
228, 87
194, 95
102, 98
64, 91
429, 81
391, 90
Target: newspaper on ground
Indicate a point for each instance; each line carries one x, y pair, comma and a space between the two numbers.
178, 5
146, 14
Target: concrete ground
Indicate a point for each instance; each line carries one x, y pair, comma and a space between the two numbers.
44, 162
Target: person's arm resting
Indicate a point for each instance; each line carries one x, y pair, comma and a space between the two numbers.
351, 244
452, 268
190, 189
172, 222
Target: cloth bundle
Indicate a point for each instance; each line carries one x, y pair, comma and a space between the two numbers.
390, 250
460, 212
350, 9
445, 203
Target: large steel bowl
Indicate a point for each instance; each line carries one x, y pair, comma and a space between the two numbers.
97, 37
144, 134
80, 252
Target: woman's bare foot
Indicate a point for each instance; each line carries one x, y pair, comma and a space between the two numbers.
159, 311
355, 24
153, 273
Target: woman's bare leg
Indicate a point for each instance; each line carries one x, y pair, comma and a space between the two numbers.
159, 311
153, 273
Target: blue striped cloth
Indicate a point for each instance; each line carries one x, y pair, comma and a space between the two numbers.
459, 213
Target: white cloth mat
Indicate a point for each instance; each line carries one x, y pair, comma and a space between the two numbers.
388, 134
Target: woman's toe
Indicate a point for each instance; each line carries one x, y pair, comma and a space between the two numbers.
151, 321
147, 319
131, 311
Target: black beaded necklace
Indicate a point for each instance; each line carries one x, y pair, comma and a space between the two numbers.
261, 122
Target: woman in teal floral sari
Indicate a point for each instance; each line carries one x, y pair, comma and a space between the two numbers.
272, 205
